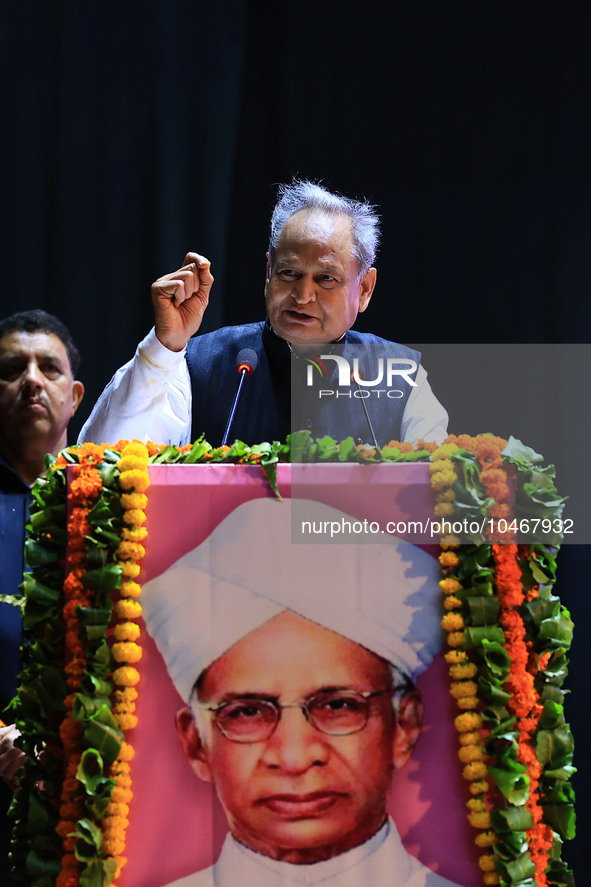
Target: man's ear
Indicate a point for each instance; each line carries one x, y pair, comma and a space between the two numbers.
193, 748
366, 288
268, 270
409, 724
77, 394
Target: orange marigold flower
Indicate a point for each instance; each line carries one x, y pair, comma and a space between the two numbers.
467, 703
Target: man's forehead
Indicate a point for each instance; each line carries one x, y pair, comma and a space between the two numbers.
316, 226
38, 344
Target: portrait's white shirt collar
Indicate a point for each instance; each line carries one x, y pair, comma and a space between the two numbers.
236, 856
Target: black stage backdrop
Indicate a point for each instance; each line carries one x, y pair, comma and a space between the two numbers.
135, 131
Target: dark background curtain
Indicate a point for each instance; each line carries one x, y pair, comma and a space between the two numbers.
135, 131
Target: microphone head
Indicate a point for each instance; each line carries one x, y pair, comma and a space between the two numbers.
246, 360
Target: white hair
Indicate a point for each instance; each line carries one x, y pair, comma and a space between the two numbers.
303, 194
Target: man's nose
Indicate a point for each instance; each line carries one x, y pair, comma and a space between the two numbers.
295, 745
32, 379
305, 290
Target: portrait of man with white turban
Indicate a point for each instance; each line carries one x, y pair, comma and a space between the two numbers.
297, 663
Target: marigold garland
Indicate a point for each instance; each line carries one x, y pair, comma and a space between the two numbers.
104, 553
478, 746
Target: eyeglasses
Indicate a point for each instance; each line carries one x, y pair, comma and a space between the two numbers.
334, 712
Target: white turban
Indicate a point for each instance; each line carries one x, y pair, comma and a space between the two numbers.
383, 595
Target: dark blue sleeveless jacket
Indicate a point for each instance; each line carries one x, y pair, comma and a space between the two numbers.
265, 408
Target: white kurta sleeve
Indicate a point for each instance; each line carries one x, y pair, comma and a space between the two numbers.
424, 418
149, 399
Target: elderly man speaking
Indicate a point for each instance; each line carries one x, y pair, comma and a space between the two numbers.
297, 669
319, 277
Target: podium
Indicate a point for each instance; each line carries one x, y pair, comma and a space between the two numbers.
173, 825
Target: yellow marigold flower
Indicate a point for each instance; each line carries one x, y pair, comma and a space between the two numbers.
476, 805
126, 676
467, 722
447, 495
135, 517
467, 703
485, 839
126, 721
460, 689
479, 787
128, 609
133, 501
491, 878
130, 589
135, 480
450, 585
479, 820
135, 446
131, 551
472, 737
451, 602
130, 570
450, 540
463, 671
452, 622
127, 651
455, 638
125, 696
443, 479
487, 862
448, 559
137, 534
113, 846
127, 631
443, 509
121, 795
454, 657
475, 770
118, 809
445, 451
133, 463
469, 753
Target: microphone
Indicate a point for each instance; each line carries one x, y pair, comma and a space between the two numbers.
246, 363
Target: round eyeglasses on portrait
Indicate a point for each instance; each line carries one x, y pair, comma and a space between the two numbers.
255, 718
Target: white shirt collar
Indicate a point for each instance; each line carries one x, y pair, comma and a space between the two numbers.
307, 874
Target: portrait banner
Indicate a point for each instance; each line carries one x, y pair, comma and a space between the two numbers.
290, 751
